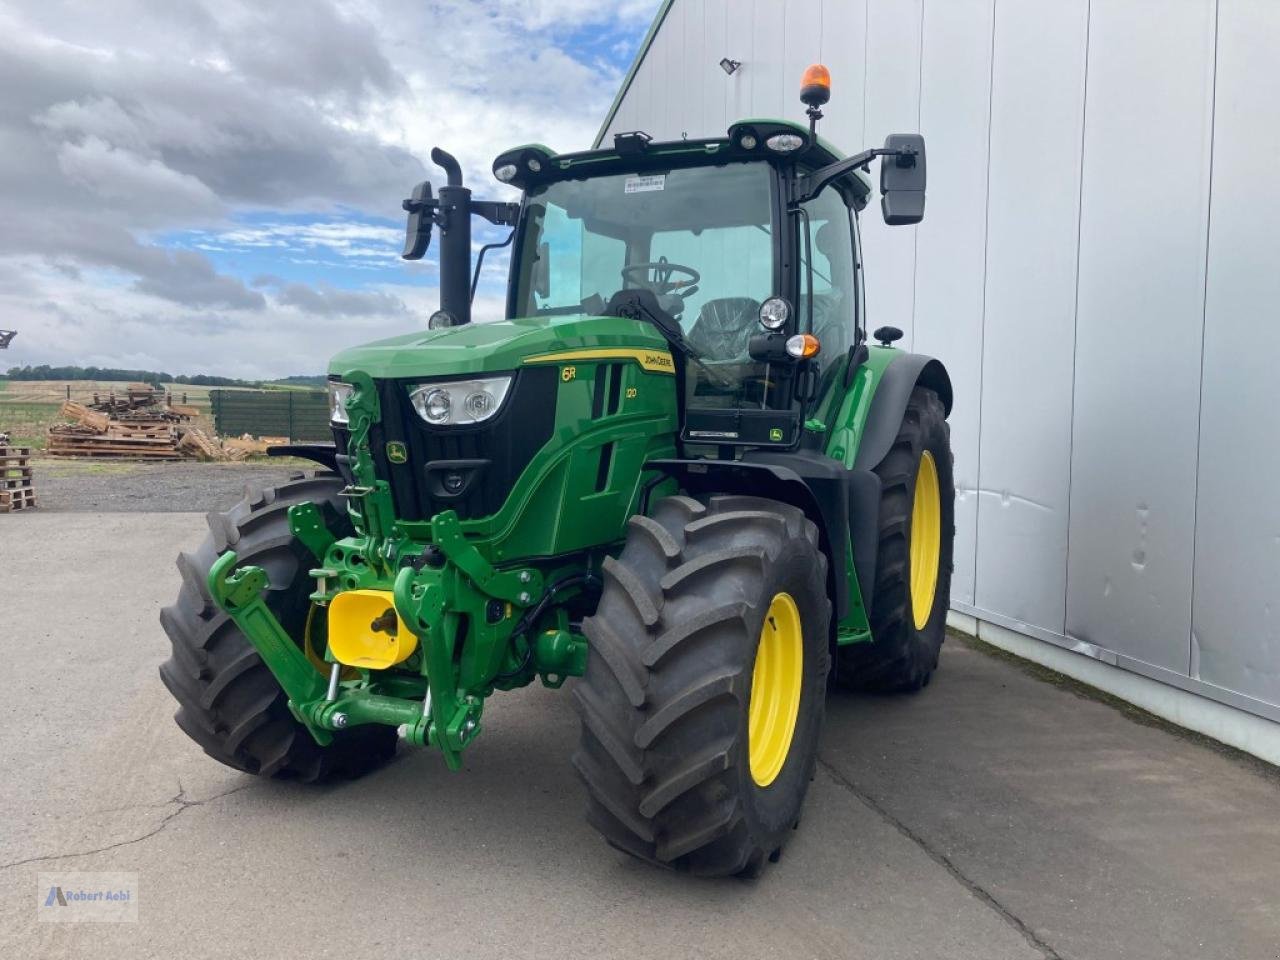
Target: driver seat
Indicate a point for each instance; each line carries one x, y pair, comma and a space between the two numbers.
724, 327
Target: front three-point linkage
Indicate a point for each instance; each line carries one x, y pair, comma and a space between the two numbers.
430, 598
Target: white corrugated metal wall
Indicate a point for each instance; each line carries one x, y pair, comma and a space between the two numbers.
1098, 267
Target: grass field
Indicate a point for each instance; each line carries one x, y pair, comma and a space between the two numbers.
26, 423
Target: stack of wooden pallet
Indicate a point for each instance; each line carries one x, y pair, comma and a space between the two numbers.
16, 492
94, 433
151, 401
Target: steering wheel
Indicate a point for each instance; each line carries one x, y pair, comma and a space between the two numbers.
656, 275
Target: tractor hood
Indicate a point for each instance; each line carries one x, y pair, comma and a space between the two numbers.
491, 347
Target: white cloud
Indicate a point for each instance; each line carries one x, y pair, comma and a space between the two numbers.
101, 319
120, 176
257, 128
346, 239
551, 13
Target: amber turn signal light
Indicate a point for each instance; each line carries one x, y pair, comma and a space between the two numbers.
803, 346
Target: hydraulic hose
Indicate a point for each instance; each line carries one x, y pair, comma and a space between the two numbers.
531, 616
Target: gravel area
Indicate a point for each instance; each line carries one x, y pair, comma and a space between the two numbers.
128, 487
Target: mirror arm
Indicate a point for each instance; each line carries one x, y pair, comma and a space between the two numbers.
499, 214
808, 187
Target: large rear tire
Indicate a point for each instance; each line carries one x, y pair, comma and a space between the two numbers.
704, 691
228, 701
913, 566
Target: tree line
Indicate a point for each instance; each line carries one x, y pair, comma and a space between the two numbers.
154, 377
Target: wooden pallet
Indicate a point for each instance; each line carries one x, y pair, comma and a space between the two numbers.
142, 442
11, 500
123, 450
165, 433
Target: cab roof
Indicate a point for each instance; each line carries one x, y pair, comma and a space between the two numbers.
534, 164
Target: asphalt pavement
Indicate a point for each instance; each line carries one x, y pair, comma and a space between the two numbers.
999, 814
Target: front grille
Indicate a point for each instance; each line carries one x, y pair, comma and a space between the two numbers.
503, 445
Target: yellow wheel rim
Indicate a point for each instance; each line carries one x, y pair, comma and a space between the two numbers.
926, 540
775, 690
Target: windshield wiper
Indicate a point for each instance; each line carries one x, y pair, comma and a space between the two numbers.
643, 305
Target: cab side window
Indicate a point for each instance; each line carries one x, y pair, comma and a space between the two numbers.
828, 281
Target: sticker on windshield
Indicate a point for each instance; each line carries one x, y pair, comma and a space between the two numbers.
645, 184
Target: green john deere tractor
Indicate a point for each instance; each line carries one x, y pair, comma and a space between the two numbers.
676, 472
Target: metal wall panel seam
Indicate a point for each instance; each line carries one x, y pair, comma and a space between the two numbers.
982, 326
822, 35
1193, 656
720, 115
915, 231
866, 41
1075, 314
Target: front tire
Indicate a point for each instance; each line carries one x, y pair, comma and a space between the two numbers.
229, 702
703, 696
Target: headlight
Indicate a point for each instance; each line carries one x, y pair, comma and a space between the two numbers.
774, 313
460, 402
339, 394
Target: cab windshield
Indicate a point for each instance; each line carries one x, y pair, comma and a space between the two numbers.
699, 238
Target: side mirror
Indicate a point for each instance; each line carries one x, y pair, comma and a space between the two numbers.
420, 207
542, 271
902, 179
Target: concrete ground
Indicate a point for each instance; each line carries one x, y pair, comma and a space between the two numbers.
999, 814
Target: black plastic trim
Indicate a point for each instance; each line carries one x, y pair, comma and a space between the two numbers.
864, 529
813, 482
890, 403
325, 454
494, 452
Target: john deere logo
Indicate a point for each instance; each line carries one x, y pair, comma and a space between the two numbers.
775, 434
396, 452
657, 361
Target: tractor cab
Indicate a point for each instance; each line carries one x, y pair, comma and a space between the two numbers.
742, 250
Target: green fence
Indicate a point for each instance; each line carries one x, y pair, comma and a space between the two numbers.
296, 414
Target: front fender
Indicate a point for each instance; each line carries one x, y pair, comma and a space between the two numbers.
813, 482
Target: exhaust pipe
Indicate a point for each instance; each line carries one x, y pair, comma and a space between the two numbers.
455, 239
451, 212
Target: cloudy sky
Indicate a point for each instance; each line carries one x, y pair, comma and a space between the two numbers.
214, 186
